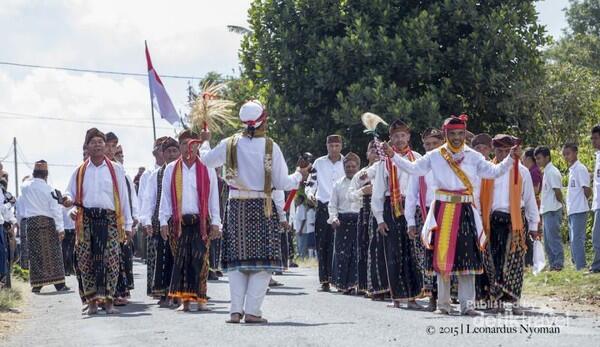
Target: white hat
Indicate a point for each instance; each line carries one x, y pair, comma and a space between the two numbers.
251, 112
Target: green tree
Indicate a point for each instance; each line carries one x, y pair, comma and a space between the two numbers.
320, 64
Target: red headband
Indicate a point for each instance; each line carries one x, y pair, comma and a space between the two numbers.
252, 123
458, 126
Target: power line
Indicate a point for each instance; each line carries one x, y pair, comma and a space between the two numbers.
30, 165
23, 116
106, 72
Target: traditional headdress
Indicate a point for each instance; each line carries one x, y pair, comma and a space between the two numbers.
352, 157
40, 165
456, 123
110, 136
94, 132
432, 132
187, 134
503, 141
334, 139
169, 142
482, 139
398, 126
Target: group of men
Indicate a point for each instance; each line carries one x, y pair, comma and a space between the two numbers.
179, 209
452, 224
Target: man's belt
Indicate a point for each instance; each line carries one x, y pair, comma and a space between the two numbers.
246, 194
453, 198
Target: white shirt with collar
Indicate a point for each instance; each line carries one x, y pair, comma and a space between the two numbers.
68, 222
579, 177
189, 199
596, 174
144, 179
381, 187
7, 214
501, 201
363, 177
98, 189
250, 161
149, 200
552, 179
340, 202
472, 163
36, 200
327, 174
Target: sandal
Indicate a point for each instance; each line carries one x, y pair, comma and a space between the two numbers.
235, 318
254, 320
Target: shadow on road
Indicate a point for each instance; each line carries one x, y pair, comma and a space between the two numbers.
297, 324
274, 293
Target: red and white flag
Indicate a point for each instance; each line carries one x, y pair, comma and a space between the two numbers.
160, 99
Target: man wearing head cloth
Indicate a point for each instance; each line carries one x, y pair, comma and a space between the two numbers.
419, 196
503, 224
147, 210
453, 231
343, 216
160, 253
189, 213
251, 244
482, 143
329, 168
388, 203
43, 216
360, 191
98, 190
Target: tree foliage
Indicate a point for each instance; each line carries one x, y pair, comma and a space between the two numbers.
319, 64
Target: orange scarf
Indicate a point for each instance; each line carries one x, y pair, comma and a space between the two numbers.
79, 199
515, 192
394, 181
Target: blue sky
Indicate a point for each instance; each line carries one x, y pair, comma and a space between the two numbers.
185, 38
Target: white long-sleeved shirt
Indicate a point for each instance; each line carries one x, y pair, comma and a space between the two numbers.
413, 197
135, 209
361, 179
98, 189
596, 174
250, 160
189, 198
381, 187
473, 165
144, 179
501, 200
7, 214
327, 174
36, 200
68, 222
340, 201
149, 200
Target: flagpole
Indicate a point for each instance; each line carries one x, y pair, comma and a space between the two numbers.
151, 103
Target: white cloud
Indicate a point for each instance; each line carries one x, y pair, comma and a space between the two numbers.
185, 38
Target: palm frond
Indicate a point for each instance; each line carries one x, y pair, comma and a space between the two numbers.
210, 111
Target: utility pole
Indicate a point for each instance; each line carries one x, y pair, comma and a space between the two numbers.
16, 179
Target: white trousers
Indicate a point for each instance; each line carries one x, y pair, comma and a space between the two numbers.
466, 292
247, 291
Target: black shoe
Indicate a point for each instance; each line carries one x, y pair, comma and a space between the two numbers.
219, 273
293, 265
36, 289
325, 287
212, 276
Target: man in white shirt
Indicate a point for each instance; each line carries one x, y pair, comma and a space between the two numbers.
551, 208
102, 215
190, 199
390, 186
329, 168
420, 195
456, 235
251, 244
343, 217
360, 191
505, 252
595, 267
578, 192
159, 261
45, 230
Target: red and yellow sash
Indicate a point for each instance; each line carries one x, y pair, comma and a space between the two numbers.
79, 198
444, 248
203, 188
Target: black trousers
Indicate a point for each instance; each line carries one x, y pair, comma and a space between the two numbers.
324, 235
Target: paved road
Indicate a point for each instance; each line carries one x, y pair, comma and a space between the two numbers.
299, 316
